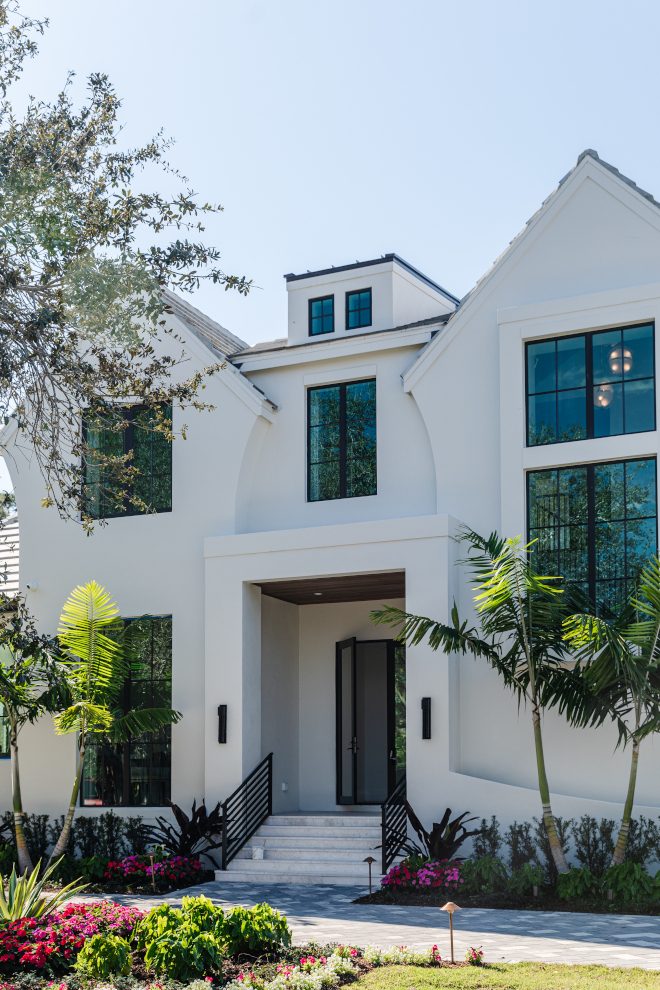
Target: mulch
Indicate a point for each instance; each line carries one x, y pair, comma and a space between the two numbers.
437, 896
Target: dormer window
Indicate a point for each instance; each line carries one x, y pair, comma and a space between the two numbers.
358, 309
321, 315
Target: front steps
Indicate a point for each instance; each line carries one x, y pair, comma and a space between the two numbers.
300, 848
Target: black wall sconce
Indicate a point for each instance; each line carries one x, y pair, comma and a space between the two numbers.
426, 718
222, 723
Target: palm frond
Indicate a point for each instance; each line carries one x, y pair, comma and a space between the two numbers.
413, 629
135, 723
95, 718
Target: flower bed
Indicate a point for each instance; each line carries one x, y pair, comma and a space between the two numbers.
177, 871
421, 874
52, 944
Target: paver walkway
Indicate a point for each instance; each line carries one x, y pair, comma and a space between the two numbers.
327, 914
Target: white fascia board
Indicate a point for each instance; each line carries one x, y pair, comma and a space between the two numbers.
600, 306
318, 537
328, 350
231, 377
337, 276
588, 168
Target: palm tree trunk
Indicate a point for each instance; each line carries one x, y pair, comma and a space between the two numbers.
548, 818
24, 861
60, 846
621, 842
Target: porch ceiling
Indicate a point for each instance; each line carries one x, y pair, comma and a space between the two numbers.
341, 588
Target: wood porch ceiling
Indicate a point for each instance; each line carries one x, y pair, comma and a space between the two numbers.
342, 588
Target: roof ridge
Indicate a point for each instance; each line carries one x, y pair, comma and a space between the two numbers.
219, 337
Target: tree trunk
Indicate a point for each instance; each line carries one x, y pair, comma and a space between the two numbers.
68, 821
24, 861
548, 819
621, 842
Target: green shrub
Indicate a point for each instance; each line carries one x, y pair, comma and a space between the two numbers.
594, 842
523, 880
576, 883
629, 882
184, 953
486, 875
255, 930
489, 841
105, 955
183, 943
521, 843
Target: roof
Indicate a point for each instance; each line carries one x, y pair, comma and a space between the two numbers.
218, 337
9, 546
429, 348
281, 343
376, 261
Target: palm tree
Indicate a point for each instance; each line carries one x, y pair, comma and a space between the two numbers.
98, 657
521, 636
31, 684
620, 657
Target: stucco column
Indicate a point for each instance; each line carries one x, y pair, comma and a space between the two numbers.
232, 678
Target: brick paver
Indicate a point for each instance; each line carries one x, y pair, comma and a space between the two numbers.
327, 914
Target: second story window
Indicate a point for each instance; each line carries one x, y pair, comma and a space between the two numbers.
595, 525
598, 384
129, 431
358, 309
341, 441
321, 315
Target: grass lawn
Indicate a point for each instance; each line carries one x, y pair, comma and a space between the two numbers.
509, 976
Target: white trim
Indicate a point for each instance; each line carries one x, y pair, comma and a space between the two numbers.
343, 375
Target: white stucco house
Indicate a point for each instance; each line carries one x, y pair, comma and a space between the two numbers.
332, 476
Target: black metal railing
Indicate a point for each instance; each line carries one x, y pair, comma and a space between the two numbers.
246, 809
395, 824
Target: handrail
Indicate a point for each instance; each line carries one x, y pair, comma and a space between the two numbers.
246, 809
394, 824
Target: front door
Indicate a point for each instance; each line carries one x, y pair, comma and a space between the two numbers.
370, 706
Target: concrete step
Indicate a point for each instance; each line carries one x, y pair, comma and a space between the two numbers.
289, 876
256, 866
326, 821
311, 855
340, 834
314, 842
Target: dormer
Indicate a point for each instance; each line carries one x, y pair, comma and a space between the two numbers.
362, 298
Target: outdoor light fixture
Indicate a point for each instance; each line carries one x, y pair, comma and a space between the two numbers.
222, 723
426, 718
451, 907
603, 395
369, 860
620, 356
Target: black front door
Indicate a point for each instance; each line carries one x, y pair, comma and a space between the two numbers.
366, 723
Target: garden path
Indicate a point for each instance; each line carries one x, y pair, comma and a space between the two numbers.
327, 914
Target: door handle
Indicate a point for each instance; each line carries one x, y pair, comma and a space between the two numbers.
393, 755
353, 745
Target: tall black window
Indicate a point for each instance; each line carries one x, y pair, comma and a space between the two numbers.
595, 525
342, 440
594, 385
321, 315
137, 773
358, 309
129, 431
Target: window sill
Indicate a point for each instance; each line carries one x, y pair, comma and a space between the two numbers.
622, 447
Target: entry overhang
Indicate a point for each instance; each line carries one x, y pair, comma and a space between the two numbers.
338, 588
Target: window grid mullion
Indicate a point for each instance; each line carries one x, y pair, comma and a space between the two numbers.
591, 530
342, 441
589, 381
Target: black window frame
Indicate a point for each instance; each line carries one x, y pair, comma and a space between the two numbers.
589, 381
591, 510
129, 509
342, 386
309, 315
125, 747
357, 292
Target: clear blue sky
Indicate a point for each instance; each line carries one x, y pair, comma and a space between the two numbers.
338, 131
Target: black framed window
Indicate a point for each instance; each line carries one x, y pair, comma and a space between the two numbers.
598, 384
137, 773
358, 309
321, 315
595, 525
129, 431
342, 440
